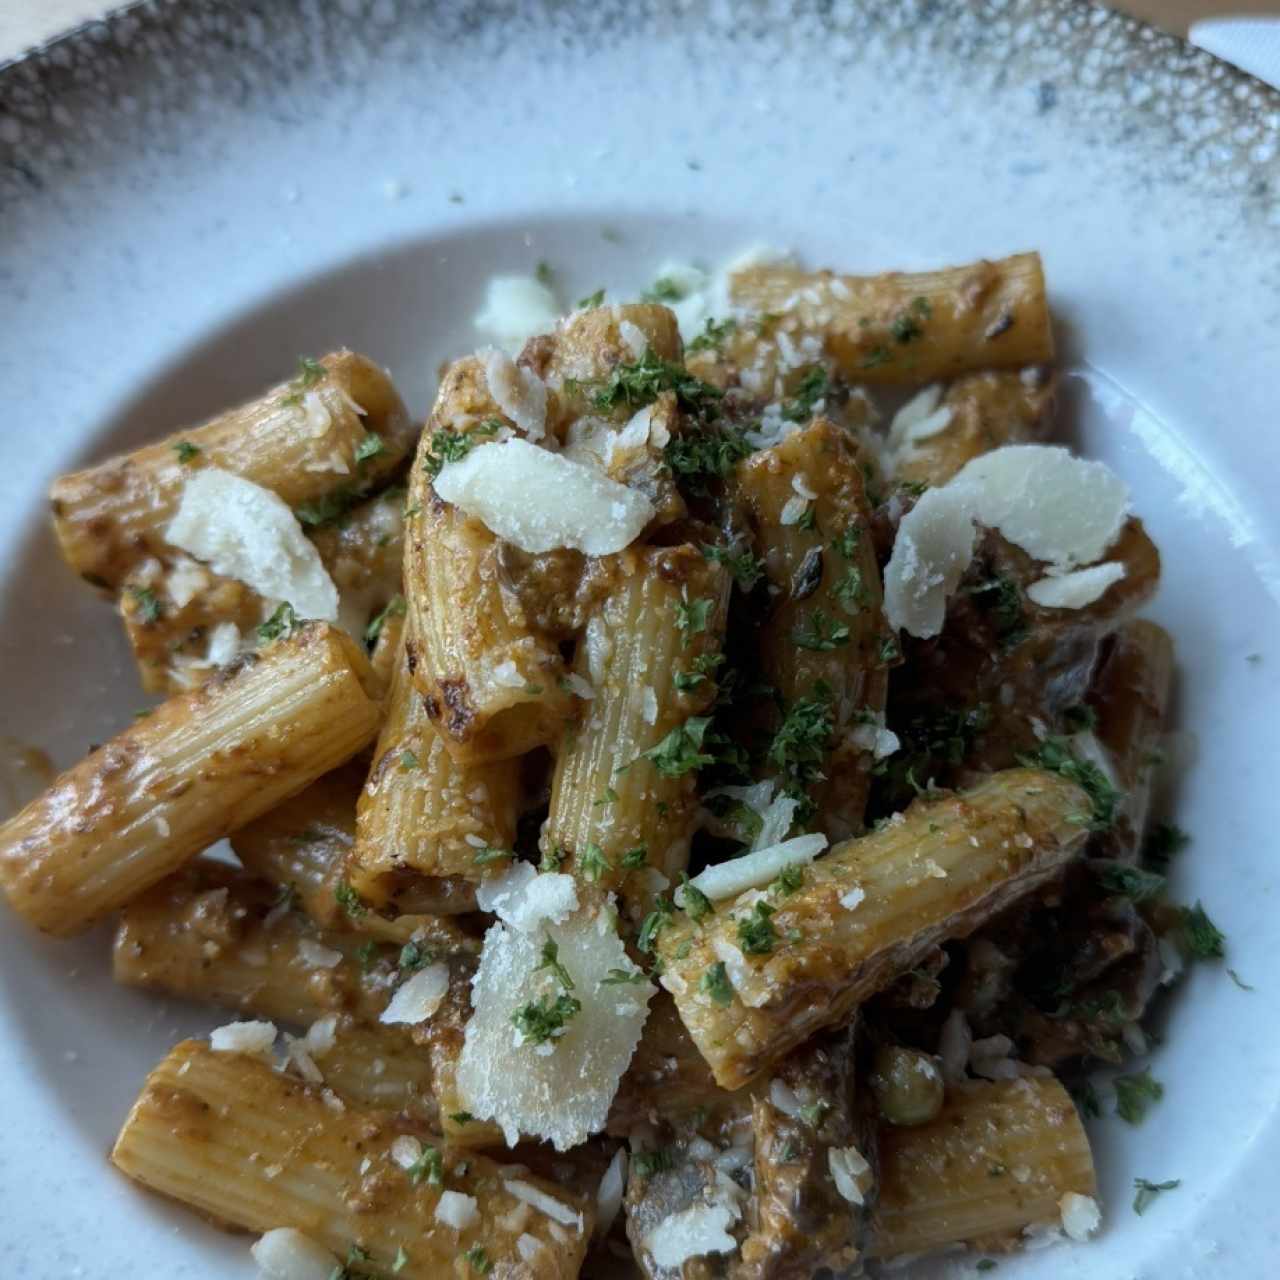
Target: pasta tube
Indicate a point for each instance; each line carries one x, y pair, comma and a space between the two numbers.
212, 933
252, 1148
903, 328
767, 970
986, 411
196, 768
825, 645
1000, 1157
421, 810
623, 792
330, 434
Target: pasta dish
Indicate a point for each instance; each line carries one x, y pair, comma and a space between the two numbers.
688, 803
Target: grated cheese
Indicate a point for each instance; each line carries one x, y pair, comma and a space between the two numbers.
286, 1254
418, 998
853, 897
851, 1173
1081, 1216
728, 879
457, 1210
246, 532
555, 1209
525, 899
1077, 588
519, 393
609, 1193
539, 500
515, 309
243, 1037
315, 956
691, 1233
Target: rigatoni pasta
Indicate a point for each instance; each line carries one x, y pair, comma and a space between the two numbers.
192, 770
316, 440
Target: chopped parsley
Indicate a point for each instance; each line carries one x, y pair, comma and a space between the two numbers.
1135, 1094
851, 591
1056, 755
703, 666
1239, 981
542, 1020
799, 748
985, 1264
846, 543
715, 983
699, 454
551, 960
349, 900
591, 301
681, 750
745, 568
821, 633
329, 507
452, 446
309, 373
809, 519
477, 1259
654, 923
1001, 598
186, 451
370, 446
908, 325
1164, 841
634, 859
1080, 718
543, 274
592, 862
1147, 1192
692, 617
280, 626
646, 1163
488, 855
395, 608
694, 903
788, 880
428, 1168
1087, 1099
1130, 882
813, 387
712, 336
756, 934
1201, 938
148, 605
413, 955
607, 796
366, 954
640, 382
553, 859
402, 1261
408, 760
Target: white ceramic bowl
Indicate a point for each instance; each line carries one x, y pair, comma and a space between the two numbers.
197, 192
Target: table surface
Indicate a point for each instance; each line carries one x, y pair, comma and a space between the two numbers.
27, 22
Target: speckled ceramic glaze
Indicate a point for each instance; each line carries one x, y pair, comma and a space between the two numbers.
193, 193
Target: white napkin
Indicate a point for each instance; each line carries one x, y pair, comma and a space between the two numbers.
1252, 44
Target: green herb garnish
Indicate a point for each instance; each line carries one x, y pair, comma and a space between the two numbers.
1147, 1192
715, 983
756, 933
1135, 1094
542, 1020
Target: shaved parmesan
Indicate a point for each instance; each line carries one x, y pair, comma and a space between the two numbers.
246, 532
519, 393
775, 822
315, 956
919, 418
1081, 1216
418, 998
609, 1193
563, 1095
633, 336
581, 688
524, 899
224, 644
691, 1233
1076, 589
539, 500
728, 879
529, 1247
851, 1173
555, 1209
286, 1254
871, 735
243, 1037
752, 991
1056, 507
853, 897
515, 309
457, 1210
954, 1044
